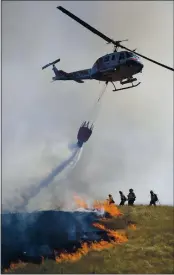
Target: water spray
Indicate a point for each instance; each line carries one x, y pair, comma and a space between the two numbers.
34, 190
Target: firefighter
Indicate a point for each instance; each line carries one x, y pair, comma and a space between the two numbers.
123, 198
154, 198
110, 200
131, 197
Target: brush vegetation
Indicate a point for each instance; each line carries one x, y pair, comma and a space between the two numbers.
149, 250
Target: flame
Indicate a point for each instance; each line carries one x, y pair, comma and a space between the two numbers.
80, 202
132, 226
97, 246
118, 237
101, 245
99, 205
14, 266
108, 208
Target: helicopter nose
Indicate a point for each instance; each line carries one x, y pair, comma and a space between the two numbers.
141, 66
137, 65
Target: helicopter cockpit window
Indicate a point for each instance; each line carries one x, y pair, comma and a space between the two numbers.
106, 59
121, 56
128, 55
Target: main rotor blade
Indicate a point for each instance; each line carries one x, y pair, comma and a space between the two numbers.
84, 24
107, 39
147, 58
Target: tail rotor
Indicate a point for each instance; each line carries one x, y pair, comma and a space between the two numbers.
50, 64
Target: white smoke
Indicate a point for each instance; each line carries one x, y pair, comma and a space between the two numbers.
63, 169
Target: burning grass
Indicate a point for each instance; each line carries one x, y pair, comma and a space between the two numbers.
132, 226
80, 202
104, 206
15, 266
110, 209
115, 238
142, 244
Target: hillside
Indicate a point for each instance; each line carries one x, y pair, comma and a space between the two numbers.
149, 248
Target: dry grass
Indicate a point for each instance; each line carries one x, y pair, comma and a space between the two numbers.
149, 250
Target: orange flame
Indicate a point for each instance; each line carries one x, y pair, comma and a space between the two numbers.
109, 208
132, 226
118, 237
80, 202
99, 205
14, 266
98, 246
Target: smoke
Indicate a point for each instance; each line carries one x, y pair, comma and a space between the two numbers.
132, 141
33, 190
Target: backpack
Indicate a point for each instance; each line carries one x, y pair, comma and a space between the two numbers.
131, 196
155, 197
124, 198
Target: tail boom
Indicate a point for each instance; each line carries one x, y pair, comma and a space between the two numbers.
77, 76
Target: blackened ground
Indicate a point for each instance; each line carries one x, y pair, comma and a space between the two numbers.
28, 236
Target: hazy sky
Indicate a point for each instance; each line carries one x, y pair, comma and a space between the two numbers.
132, 143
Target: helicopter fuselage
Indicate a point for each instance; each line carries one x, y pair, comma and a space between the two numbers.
112, 67
116, 66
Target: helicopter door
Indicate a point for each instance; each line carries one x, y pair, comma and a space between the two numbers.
113, 60
122, 58
106, 61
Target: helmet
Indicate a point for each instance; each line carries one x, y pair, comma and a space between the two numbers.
131, 190
151, 192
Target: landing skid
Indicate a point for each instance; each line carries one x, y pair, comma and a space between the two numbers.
125, 88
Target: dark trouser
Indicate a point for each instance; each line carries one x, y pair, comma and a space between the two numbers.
131, 202
122, 202
152, 202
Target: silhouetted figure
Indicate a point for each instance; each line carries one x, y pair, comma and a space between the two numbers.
154, 198
110, 200
131, 197
123, 198
84, 133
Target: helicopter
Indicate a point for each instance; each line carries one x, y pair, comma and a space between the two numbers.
118, 66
